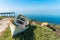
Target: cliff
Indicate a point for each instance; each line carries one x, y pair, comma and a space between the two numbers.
36, 31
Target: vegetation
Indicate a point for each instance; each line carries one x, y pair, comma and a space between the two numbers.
6, 35
1, 17
32, 33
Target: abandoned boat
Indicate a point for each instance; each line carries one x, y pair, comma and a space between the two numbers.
19, 24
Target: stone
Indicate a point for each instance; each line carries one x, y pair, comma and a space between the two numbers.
44, 24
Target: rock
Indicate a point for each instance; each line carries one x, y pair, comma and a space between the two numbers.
44, 24
33, 23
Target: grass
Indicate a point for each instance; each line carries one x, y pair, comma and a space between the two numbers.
37, 33
32, 33
6, 34
1, 17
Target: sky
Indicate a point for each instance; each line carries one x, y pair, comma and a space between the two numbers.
31, 6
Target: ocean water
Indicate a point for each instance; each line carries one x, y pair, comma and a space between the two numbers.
45, 18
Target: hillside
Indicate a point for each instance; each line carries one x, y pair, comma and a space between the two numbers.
34, 32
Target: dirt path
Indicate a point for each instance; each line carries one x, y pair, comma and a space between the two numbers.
4, 24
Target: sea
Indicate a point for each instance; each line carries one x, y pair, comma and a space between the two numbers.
45, 18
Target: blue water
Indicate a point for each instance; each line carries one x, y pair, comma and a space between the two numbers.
45, 18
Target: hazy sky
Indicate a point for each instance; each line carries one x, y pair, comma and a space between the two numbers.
31, 6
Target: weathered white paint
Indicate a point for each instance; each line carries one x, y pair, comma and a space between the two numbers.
18, 29
15, 30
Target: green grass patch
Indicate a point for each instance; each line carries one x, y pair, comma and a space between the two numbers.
37, 33
32, 33
1, 17
6, 34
